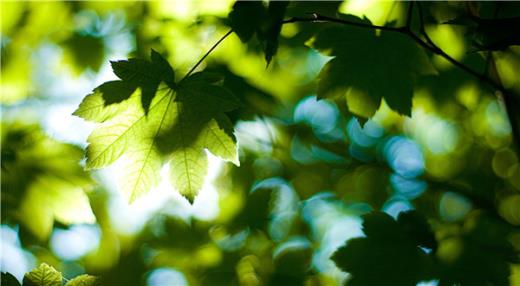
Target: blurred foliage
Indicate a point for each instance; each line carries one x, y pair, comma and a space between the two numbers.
46, 275
365, 158
41, 181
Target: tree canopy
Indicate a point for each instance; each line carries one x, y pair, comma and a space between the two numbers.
260, 143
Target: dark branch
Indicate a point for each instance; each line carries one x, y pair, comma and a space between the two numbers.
326, 19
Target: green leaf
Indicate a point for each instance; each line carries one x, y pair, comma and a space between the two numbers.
368, 67
275, 14
388, 255
143, 74
250, 17
44, 275
178, 127
9, 280
246, 18
86, 51
84, 280
99, 106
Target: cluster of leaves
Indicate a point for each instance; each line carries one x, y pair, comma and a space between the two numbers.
148, 119
46, 275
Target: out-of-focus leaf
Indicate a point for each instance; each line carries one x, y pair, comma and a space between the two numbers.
178, 126
87, 51
368, 67
292, 261
44, 275
256, 213
9, 280
389, 254
490, 34
84, 280
481, 255
42, 181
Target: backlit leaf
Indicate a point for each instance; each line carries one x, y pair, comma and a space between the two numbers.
44, 275
84, 280
178, 125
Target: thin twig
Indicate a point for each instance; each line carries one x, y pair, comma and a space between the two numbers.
207, 53
327, 19
509, 99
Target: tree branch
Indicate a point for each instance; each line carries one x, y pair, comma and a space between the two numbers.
427, 44
326, 19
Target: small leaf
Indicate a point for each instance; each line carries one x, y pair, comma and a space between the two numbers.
44, 275
84, 280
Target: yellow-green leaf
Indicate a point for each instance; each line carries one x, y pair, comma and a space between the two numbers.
44, 275
176, 127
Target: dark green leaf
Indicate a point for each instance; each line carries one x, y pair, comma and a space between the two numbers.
143, 74
87, 51
9, 280
368, 67
275, 14
388, 255
246, 18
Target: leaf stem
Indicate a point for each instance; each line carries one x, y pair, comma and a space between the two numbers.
321, 18
207, 53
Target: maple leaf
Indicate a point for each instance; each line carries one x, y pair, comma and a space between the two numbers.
178, 124
368, 67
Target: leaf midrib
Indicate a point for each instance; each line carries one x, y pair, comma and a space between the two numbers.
152, 143
128, 129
